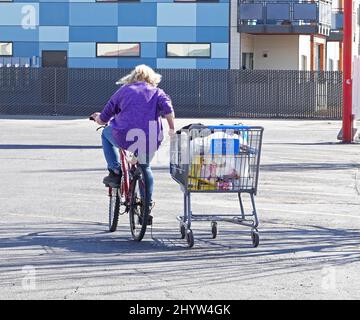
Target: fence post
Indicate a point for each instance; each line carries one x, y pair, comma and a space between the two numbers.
55, 91
277, 75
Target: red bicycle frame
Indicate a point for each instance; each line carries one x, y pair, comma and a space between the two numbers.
125, 183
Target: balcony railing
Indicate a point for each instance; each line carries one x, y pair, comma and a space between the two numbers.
337, 23
300, 17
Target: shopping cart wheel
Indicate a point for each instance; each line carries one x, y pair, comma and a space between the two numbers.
214, 230
255, 238
182, 231
190, 238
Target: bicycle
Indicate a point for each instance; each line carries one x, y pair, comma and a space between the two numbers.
130, 195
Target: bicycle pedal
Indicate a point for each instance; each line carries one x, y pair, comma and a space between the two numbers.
150, 220
112, 185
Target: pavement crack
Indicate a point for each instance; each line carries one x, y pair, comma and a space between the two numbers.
357, 182
76, 290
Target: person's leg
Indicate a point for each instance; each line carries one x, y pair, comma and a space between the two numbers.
111, 150
149, 179
111, 153
144, 162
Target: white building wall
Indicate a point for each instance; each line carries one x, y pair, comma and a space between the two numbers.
247, 42
356, 28
276, 52
356, 88
333, 54
235, 49
305, 50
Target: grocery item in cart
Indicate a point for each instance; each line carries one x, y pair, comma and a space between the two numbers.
202, 174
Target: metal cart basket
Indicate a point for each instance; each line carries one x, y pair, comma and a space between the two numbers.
217, 159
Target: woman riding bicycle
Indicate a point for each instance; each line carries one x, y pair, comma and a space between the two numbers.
134, 114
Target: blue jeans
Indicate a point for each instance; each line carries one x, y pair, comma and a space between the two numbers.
112, 157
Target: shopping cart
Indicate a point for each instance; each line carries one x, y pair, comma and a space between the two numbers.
217, 159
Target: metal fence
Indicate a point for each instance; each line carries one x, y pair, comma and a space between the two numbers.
195, 93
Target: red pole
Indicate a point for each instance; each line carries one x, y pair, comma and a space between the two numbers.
347, 66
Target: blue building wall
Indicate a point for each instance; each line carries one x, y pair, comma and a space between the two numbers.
76, 26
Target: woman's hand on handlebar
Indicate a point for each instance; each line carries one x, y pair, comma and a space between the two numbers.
96, 117
171, 132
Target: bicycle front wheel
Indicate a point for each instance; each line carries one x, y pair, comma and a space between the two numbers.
114, 208
139, 210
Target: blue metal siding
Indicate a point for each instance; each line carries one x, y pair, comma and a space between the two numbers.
137, 14
26, 49
93, 34
212, 64
148, 50
82, 49
15, 14
54, 14
176, 63
161, 50
76, 26
92, 63
209, 15
132, 62
176, 14
93, 14
176, 34
54, 34
137, 34
17, 33
212, 34
219, 50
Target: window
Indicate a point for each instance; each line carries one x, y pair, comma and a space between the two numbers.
188, 50
6, 0
196, 0
318, 57
118, 49
304, 63
6, 49
248, 61
116, 0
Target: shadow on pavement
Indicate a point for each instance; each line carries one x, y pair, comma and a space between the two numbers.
86, 252
44, 117
44, 146
158, 168
308, 166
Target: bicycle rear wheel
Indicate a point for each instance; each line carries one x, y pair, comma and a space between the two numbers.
114, 208
139, 210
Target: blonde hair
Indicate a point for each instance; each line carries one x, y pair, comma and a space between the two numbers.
141, 73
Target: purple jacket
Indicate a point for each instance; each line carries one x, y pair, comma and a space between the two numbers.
137, 106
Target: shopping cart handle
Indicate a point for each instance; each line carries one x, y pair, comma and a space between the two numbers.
200, 126
191, 126
233, 127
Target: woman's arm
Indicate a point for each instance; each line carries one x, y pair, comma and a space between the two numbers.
170, 120
109, 111
167, 109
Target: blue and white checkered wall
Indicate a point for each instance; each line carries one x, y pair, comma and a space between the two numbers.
76, 26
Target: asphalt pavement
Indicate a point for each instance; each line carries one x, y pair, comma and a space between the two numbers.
54, 242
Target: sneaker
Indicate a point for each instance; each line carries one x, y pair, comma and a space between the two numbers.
150, 220
112, 180
150, 216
